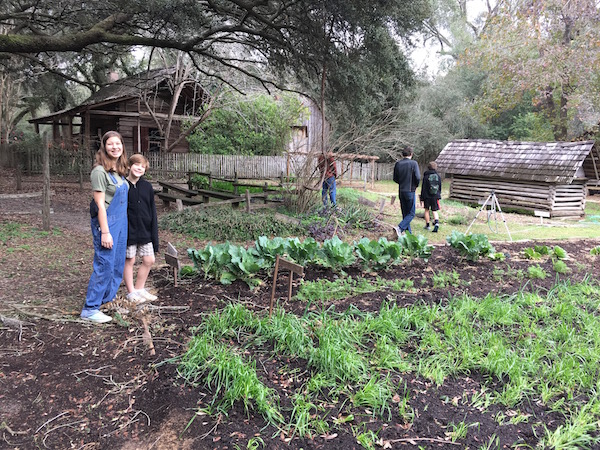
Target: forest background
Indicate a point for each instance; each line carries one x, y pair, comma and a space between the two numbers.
509, 69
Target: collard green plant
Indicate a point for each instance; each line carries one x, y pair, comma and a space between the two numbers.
377, 254
531, 253
559, 252
471, 246
336, 254
497, 256
542, 249
188, 272
269, 249
227, 263
415, 246
302, 252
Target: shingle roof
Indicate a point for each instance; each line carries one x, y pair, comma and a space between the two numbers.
130, 86
126, 88
549, 162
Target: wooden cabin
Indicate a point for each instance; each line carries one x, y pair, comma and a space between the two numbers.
139, 107
548, 178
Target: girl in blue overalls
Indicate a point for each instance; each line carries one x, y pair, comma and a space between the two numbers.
109, 226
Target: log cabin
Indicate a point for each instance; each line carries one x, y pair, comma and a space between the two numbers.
550, 179
139, 107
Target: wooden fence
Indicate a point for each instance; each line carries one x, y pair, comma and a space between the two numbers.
178, 165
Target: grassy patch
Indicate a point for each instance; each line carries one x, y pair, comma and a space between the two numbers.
530, 348
223, 224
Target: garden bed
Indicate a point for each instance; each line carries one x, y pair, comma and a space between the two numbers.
67, 384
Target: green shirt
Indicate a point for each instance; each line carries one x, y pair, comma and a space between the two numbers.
102, 182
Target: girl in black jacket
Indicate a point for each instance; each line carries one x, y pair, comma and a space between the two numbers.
142, 237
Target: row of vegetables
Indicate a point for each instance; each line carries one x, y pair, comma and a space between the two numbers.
227, 262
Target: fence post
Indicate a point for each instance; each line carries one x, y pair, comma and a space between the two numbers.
46, 190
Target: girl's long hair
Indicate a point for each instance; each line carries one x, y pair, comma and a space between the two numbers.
106, 161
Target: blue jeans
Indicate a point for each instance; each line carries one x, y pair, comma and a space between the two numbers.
328, 186
408, 207
108, 263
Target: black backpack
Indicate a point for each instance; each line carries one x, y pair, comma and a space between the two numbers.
434, 183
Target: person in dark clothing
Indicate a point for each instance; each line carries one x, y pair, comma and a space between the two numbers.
328, 171
431, 193
408, 176
142, 238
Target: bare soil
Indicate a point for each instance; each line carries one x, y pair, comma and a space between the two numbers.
68, 384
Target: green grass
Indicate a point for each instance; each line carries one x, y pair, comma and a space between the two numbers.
323, 290
458, 216
16, 230
531, 348
227, 224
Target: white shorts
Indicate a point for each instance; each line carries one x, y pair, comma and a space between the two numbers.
140, 250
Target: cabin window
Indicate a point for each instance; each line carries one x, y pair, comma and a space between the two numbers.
154, 140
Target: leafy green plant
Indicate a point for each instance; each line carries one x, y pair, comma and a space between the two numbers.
377, 254
497, 256
445, 279
188, 272
531, 253
560, 266
415, 246
595, 251
302, 252
227, 263
336, 254
536, 272
559, 252
269, 249
471, 246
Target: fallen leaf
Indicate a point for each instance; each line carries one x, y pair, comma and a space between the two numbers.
329, 437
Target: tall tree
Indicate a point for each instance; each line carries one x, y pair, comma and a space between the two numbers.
300, 36
549, 49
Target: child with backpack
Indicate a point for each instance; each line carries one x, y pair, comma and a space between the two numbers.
431, 193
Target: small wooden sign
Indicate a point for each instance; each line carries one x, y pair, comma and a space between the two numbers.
172, 260
293, 268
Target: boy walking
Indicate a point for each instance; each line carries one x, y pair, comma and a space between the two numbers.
431, 193
407, 175
142, 238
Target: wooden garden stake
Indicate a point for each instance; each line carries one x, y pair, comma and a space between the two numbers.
293, 268
172, 260
247, 201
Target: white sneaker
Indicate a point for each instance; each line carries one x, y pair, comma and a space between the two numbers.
146, 295
98, 317
135, 297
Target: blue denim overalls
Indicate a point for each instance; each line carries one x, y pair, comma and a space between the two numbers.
108, 263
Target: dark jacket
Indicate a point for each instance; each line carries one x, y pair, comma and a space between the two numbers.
425, 191
407, 175
141, 215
